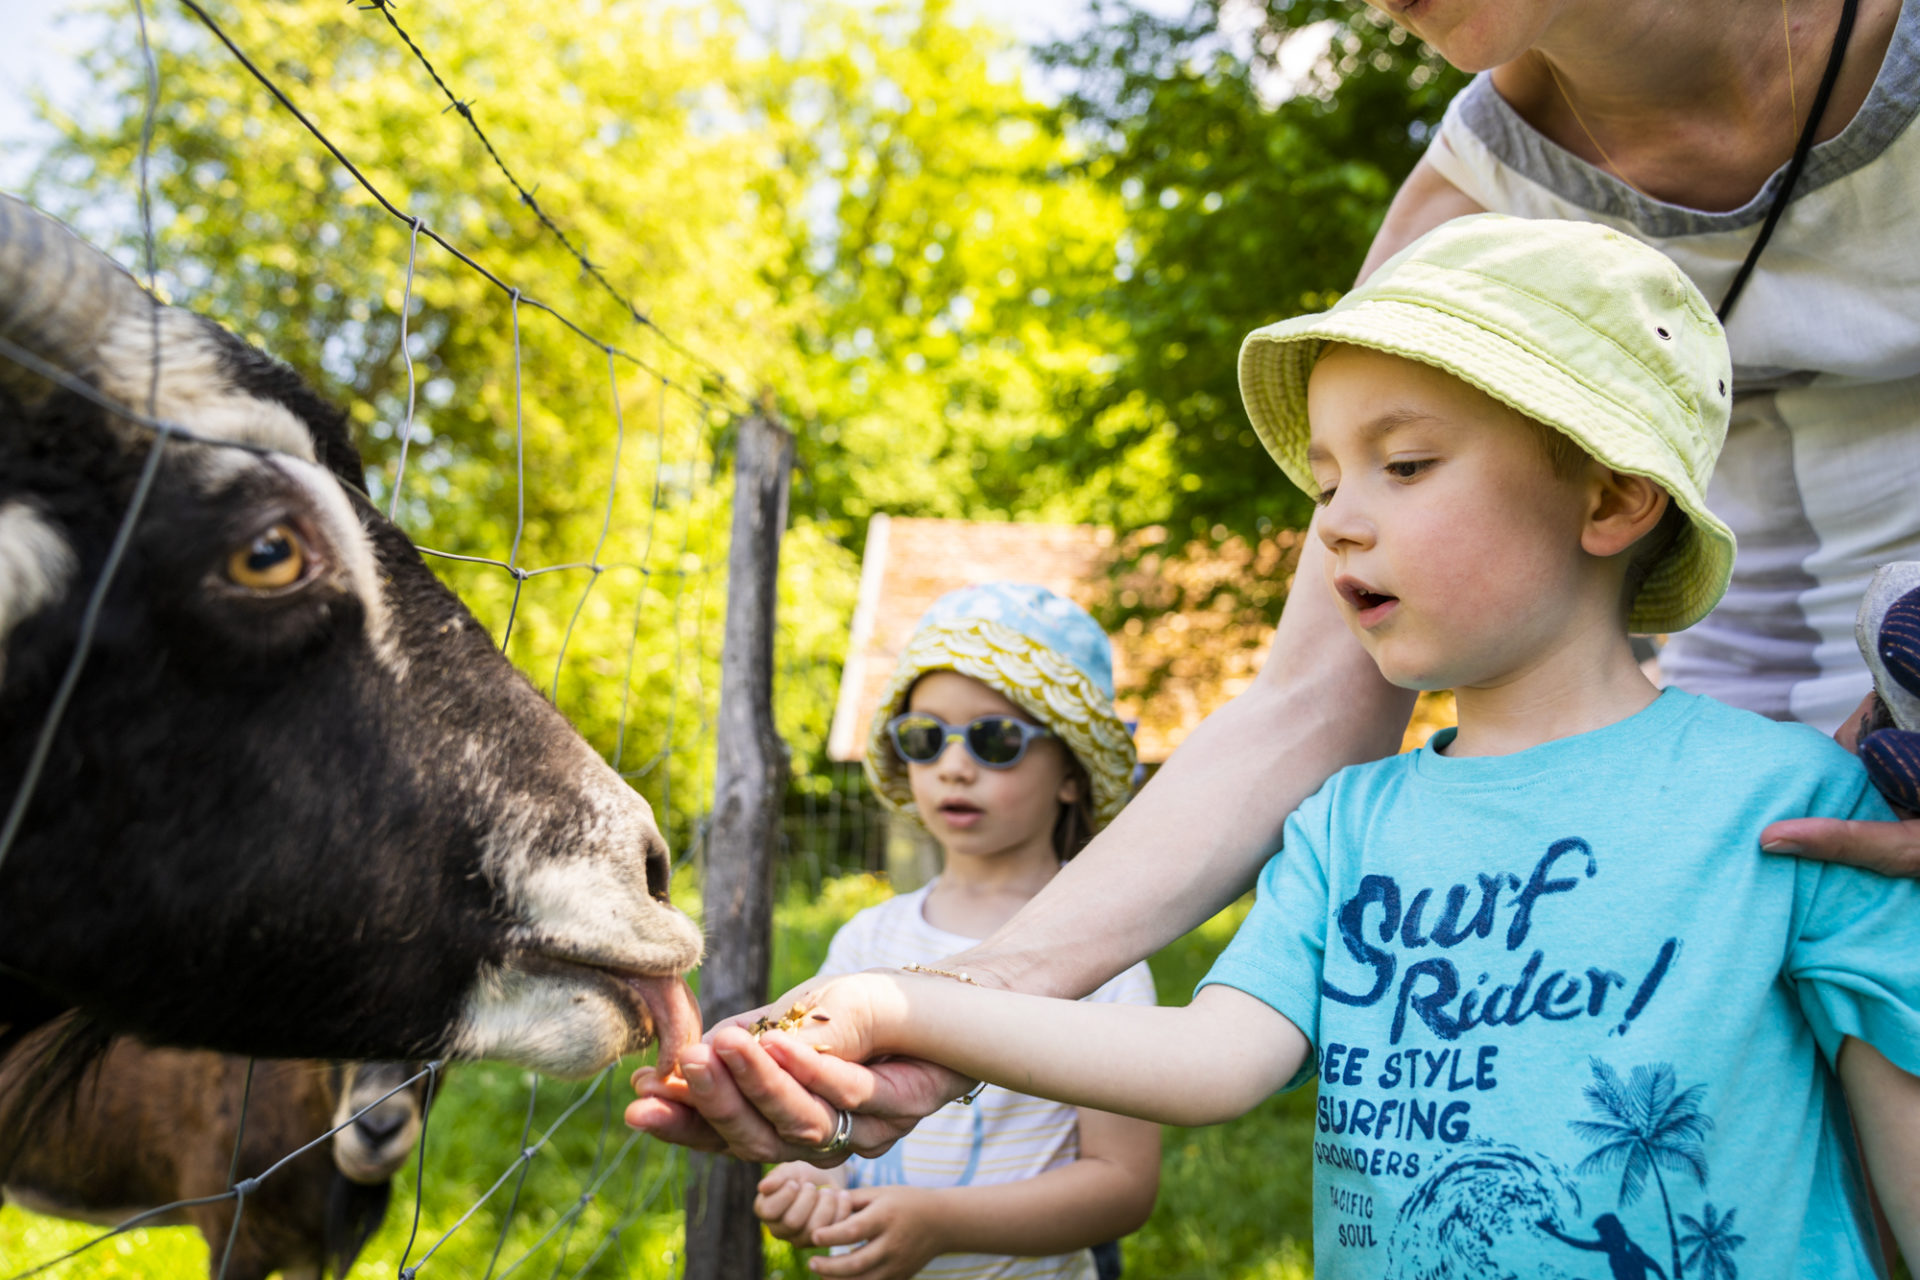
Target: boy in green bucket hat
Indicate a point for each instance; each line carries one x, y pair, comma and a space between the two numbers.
1553, 1005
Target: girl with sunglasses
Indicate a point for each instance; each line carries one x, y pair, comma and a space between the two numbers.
998, 734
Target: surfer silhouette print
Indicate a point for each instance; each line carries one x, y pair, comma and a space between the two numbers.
1557, 1009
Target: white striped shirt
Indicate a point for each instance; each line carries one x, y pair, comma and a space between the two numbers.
1004, 1136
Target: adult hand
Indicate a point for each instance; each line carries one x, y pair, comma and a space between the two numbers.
900, 1228
1892, 759
775, 1099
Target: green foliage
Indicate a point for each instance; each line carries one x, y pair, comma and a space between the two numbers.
530, 445
1240, 212
862, 218
944, 253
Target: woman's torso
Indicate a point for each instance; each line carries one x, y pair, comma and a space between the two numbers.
1822, 462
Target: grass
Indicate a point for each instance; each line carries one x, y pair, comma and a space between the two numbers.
1234, 1199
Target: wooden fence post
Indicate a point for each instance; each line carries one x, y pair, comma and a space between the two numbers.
750, 779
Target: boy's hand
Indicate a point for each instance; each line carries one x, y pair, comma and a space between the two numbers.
901, 1230
1891, 755
795, 1200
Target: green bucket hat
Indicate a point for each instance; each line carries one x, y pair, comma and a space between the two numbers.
1041, 651
1577, 326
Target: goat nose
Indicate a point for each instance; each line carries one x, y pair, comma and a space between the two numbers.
381, 1123
659, 867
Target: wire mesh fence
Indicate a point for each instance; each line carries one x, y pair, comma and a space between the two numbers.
610, 606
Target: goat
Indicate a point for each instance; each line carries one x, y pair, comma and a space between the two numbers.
299, 806
150, 1127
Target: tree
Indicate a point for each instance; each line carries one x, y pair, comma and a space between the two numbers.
1244, 207
1710, 1244
945, 252
1646, 1124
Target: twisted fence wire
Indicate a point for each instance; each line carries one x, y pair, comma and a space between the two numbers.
420, 225
464, 107
693, 572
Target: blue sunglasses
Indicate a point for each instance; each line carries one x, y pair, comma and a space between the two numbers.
994, 742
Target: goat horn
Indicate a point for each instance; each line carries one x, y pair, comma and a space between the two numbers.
58, 294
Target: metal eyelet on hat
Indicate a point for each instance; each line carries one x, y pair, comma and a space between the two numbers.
1664, 335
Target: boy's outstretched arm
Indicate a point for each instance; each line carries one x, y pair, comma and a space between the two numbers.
1886, 1115
1202, 1063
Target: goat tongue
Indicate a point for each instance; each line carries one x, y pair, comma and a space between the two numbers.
675, 1014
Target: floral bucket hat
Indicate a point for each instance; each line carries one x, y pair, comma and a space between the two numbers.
1044, 653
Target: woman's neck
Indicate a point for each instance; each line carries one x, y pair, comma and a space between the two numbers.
1691, 102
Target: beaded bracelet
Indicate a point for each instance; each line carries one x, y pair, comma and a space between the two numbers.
965, 1099
956, 975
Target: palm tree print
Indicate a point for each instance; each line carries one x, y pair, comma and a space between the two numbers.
1710, 1245
1647, 1123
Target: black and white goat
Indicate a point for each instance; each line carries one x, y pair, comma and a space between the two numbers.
151, 1127
299, 806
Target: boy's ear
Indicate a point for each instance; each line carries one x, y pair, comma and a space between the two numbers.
1622, 509
1069, 789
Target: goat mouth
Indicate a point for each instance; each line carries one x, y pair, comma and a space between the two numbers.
665, 1011
661, 1007
671, 1011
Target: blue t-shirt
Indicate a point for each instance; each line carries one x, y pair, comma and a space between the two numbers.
1569, 1020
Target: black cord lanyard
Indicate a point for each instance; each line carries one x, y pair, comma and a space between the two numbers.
1801, 150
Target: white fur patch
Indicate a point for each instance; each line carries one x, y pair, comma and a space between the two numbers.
355, 1154
589, 905
192, 391
600, 908
544, 1022
592, 903
36, 566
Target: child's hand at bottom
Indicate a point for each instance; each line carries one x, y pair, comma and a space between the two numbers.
900, 1227
796, 1199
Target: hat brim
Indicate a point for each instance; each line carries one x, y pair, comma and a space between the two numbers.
1276, 362
1035, 679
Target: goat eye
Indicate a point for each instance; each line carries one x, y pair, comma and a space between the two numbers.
274, 559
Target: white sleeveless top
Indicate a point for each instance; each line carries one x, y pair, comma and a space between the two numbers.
1820, 477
